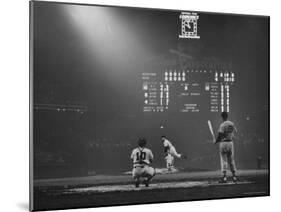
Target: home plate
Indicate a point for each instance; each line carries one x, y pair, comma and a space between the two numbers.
152, 186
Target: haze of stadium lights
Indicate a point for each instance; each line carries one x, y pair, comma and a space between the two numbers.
105, 33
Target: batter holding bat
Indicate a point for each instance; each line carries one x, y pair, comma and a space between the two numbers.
225, 139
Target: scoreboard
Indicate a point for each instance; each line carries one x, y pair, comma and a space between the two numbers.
187, 90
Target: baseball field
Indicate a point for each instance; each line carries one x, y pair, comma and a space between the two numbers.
104, 190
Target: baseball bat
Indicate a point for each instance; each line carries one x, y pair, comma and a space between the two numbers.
211, 130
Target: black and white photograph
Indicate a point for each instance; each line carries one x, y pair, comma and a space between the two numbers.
132, 105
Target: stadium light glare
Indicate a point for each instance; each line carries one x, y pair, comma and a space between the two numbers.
107, 35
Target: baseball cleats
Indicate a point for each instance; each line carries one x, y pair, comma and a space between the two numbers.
137, 184
146, 183
223, 180
234, 179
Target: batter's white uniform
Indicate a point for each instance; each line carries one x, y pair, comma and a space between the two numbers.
226, 146
141, 158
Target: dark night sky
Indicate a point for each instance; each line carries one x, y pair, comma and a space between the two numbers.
106, 51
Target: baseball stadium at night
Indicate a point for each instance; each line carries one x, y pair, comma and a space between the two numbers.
127, 110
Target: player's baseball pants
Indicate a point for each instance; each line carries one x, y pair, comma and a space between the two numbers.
169, 161
143, 171
227, 156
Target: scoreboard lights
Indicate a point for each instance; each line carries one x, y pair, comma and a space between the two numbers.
187, 88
